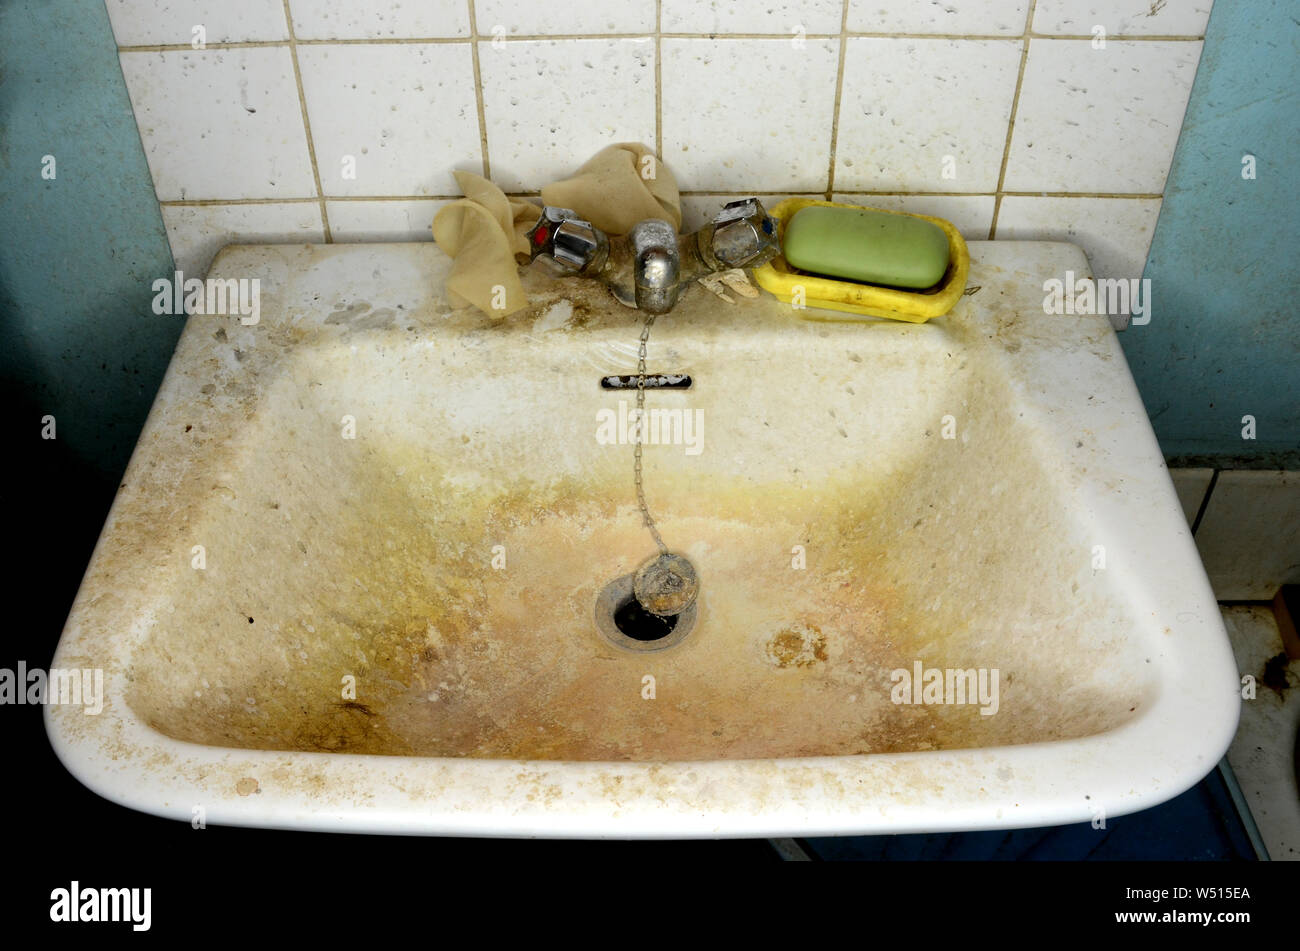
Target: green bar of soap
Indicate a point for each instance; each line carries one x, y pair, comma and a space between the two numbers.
873, 247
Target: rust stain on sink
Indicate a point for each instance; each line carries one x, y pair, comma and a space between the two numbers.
797, 647
370, 561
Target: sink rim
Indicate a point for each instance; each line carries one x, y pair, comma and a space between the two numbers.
1124, 769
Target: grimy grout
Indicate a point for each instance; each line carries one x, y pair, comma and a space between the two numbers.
478, 93
475, 40
1011, 120
306, 128
707, 193
835, 106
715, 37
660, 150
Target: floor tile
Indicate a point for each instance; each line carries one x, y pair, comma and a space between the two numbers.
1249, 536
1263, 754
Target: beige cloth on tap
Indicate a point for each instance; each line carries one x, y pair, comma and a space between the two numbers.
619, 186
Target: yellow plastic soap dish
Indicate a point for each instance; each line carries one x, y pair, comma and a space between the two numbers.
868, 300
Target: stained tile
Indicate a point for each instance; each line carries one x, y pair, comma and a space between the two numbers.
391, 119
1114, 232
787, 17
772, 135
925, 115
197, 233
378, 19
220, 123
552, 104
169, 22
1127, 17
1100, 120
505, 18
979, 17
382, 220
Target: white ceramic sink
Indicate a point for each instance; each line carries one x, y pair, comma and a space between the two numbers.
447, 560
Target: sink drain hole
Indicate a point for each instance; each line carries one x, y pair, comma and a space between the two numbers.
626, 624
639, 624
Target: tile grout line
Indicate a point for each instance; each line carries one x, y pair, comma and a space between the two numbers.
708, 192
478, 90
475, 41
659, 80
1012, 194
1120, 37
544, 37
835, 106
306, 126
1205, 501
1011, 120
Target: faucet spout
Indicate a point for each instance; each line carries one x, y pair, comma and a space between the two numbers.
656, 266
651, 266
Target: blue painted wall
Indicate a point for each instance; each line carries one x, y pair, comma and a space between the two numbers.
78, 339
1224, 336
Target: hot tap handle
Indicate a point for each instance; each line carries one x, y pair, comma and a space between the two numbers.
561, 235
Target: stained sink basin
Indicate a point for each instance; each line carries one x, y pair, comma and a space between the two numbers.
350, 581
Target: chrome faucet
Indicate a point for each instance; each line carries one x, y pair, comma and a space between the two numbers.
650, 266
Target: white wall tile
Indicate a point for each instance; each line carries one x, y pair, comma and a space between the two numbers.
1128, 17
378, 19
168, 22
198, 232
970, 214
1100, 120
785, 17
356, 221
1249, 536
552, 104
965, 17
227, 124
1114, 232
220, 123
772, 135
406, 114
909, 103
533, 18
